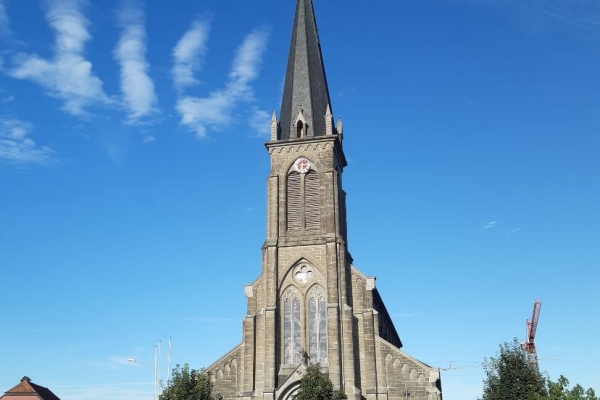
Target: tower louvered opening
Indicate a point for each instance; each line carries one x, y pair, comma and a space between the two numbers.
294, 201
303, 204
311, 200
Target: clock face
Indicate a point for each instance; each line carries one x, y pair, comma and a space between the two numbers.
302, 165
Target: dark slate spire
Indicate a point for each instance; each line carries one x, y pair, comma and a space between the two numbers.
305, 95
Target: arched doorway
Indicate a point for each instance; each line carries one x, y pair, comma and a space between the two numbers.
290, 392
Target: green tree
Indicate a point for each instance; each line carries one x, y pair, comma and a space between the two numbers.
510, 376
559, 390
188, 384
316, 385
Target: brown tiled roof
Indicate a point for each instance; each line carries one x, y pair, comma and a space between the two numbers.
28, 387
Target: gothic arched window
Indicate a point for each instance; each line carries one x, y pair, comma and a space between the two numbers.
303, 208
317, 325
299, 130
292, 338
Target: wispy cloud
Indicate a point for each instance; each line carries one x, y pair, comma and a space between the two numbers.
189, 53
260, 121
582, 15
4, 23
105, 392
125, 361
137, 87
5, 97
214, 111
511, 232
68, 76
17, 147
148, 139
489, 225
113, 363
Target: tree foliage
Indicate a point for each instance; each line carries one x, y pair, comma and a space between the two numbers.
510, 376
559, 390
316, 385
188, 384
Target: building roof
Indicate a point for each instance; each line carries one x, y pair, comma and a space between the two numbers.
305, 82
26, 387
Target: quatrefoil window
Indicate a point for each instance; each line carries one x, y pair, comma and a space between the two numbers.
304, 274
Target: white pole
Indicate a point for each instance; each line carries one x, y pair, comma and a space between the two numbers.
169, 362
158, 368
155, 398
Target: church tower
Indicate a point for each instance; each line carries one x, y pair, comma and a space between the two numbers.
310, 305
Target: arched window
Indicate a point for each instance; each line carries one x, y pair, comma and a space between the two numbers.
292, 338
317, 325
299, 130
303, 205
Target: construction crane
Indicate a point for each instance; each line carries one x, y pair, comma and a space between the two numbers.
532, 323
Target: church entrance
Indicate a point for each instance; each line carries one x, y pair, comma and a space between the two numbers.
290, 392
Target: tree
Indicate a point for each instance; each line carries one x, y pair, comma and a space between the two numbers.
559, 390
316, 385
188, 384
510, 376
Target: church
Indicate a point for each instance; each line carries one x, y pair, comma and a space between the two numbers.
310, 304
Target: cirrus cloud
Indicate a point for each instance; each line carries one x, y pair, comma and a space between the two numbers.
17, 147
4, 23
214, 111
189, 53
138, 89
489, 225
68, 76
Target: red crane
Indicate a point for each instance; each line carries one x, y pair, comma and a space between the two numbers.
531, 329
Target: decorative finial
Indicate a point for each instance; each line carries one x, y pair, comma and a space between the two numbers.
328, 121
274, 126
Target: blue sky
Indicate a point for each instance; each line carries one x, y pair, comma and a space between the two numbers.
132, 178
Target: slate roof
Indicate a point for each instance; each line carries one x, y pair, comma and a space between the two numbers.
26, 387
305, 82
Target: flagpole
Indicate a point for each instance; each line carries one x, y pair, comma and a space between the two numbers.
169, 362
158, 368
155, 398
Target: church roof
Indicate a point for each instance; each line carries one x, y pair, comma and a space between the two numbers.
305, 87
26, 387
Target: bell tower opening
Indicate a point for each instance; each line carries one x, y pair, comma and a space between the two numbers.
300, 130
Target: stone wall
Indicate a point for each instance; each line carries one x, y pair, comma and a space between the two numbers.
227, 374
406, 377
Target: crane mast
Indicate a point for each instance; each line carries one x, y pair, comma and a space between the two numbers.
532, 324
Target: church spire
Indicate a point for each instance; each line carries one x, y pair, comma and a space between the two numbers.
305, 102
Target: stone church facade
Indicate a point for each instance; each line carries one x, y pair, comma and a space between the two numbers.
310, 304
